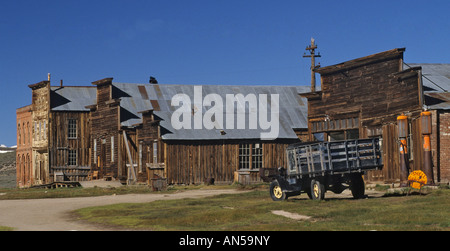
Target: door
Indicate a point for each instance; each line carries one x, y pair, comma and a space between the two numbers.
102, 161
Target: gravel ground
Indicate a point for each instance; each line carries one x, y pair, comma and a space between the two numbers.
54, 214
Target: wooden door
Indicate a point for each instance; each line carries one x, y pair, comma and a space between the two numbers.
103, 159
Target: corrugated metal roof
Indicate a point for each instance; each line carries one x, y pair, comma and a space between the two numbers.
293, 108
436, 82
438, 100
72, 98
436, 77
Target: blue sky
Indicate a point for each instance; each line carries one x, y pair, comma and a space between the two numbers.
244, 42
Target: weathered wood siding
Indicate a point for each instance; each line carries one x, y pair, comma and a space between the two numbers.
391, 152
40, 107
372, 91
60, 144
150, 148
194, 162
105, 127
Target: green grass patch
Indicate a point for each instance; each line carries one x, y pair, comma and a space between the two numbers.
41, 193
252, 211
3, 228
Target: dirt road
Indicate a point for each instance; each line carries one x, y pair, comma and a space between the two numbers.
53, 214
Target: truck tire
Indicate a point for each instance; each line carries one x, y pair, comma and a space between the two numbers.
276, 193
317, 190
357, 186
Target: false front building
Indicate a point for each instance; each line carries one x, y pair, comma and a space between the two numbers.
364, 97
53, 135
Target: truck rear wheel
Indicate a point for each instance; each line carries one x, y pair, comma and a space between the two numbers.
276, 192
357, 186
317, 190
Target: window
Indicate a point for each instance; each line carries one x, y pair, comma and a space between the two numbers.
244, 156
39, 131
20, 135
35, 131
24, 134
155, 152
44, 130
95, 151
140, 157
257, 157
410, 142
250, 156
335, 129
29, 133
112, 148
72, 157
343, 135
338, 124
336, 136
352, 134
72, 129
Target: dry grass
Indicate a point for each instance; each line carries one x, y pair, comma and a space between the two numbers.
252, 211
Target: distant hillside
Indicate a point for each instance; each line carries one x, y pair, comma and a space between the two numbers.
7, 167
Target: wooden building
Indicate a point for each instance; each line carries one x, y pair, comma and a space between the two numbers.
436, 88
24, 149
363, 98
53, 135
127, 132
131, 127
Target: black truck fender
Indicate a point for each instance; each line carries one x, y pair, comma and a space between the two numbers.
291, 186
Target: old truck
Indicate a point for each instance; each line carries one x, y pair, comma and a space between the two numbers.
315, 168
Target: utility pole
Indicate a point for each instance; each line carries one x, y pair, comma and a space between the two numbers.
312, 49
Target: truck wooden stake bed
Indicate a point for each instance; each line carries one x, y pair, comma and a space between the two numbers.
317, 167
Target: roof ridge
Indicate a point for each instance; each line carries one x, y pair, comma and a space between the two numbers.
219, 85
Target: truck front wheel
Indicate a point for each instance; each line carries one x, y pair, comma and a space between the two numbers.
317, 190
276, 192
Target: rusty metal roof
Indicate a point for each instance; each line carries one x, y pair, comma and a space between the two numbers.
136, 98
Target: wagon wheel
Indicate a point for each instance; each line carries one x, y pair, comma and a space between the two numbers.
276, 192
317, 190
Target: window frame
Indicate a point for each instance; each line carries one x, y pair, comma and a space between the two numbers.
72, 159
251, 156
72, 132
